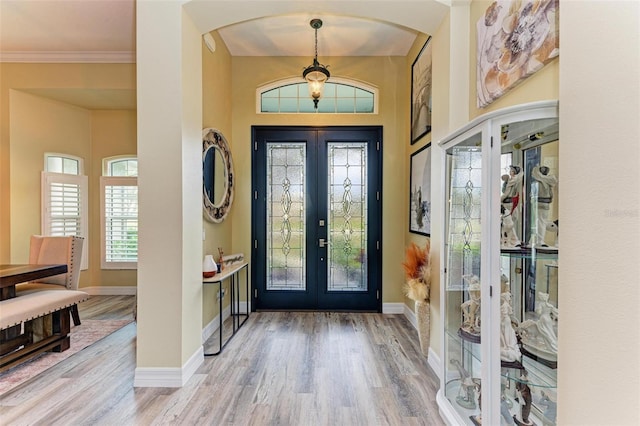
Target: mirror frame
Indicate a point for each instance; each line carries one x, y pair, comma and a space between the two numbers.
213, 139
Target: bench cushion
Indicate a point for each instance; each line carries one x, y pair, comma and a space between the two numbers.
30, 305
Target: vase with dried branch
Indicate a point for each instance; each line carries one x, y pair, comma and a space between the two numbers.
417, 268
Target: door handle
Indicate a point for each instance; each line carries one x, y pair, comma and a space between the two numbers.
323, 243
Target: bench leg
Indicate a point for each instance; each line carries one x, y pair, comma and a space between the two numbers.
62, 325
76, 315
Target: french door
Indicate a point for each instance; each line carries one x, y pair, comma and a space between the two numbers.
316, 218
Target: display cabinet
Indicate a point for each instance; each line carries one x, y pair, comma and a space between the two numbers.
500, 268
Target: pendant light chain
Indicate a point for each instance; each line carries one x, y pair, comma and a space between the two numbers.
316, 57
316, 74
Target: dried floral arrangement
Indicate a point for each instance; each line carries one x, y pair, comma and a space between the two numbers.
417, 269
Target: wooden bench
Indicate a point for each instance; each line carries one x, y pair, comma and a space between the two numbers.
35, 322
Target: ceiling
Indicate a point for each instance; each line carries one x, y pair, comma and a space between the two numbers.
104, 31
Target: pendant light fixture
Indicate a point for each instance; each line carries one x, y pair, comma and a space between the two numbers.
316, 74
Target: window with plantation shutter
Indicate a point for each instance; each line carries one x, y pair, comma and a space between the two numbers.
65, 207
119, 204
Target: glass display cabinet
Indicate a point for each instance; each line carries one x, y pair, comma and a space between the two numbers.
500, 268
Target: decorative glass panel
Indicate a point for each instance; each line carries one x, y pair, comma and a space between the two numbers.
462, 258
347, 227
285, 216
464, 219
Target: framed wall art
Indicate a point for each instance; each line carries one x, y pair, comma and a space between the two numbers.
421, 93
515, 39
420, 192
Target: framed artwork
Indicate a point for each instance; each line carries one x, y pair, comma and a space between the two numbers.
420, 192
421, 93
515, 39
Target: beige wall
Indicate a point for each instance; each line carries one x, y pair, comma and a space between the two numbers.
390, 78
170, 111
599, 338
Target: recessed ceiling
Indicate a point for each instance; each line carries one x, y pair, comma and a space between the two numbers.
291, 35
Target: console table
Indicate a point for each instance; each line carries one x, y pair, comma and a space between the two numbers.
231, 272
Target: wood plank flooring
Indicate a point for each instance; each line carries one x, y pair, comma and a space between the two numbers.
282, 368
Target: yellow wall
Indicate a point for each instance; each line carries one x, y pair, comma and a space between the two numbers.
216, 113
113, 132
32, 125
388, 74
542, 85
39, 125
440, 122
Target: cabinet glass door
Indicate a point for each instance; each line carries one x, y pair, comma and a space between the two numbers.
462, 292
529, 250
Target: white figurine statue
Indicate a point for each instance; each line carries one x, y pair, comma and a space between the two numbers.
509, 350
471, 308
540, 337
511, 206
547, 316
545, 184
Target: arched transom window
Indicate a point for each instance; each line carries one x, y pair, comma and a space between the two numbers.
340, 96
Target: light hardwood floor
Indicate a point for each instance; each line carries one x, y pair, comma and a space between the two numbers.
282, 368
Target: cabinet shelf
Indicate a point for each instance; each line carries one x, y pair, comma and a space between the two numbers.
539, 374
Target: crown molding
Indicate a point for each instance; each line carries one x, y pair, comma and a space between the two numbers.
112, 57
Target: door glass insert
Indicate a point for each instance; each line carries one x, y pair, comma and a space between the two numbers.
347, 223
286, 236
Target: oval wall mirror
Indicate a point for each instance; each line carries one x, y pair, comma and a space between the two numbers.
217, 176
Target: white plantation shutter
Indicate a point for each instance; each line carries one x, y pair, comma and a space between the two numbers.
65, 207
119, 222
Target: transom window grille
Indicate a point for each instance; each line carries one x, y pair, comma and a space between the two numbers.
63, 164
121, 167
119, 191
64, 192
340, 96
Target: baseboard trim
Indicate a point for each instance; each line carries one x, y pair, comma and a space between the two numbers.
110, 290
168, 377
433, 359
214, 324
393, 308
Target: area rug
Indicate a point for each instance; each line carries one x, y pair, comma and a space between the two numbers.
87, 333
